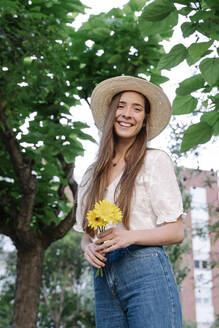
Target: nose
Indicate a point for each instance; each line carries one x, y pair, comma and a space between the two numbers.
127, 112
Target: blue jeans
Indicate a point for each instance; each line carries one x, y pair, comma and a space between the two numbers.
137, 290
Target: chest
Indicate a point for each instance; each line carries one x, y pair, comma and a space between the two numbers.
115, 171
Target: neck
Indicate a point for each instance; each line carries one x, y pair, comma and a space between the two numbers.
122, 146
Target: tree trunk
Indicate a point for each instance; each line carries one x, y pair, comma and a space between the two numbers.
29, 277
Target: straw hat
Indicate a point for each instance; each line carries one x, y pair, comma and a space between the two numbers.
160, 107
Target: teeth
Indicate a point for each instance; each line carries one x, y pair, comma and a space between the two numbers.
125, 124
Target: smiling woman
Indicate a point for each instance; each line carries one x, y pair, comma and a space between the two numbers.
142, 183
130, 115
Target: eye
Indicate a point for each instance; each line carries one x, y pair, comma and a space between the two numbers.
138, 109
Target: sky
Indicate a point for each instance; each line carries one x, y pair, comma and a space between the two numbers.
208, 153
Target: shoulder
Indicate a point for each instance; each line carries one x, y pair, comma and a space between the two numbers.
153, 155
156, 162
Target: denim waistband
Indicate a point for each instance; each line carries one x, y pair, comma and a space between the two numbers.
120, 252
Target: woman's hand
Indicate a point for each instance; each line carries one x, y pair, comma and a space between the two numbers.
112, 239
94, 256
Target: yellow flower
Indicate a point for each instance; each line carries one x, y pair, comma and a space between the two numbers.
108, 211
103, 213
95, 221
117, 215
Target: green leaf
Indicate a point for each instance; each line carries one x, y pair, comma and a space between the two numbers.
184, 105
188, 29
210, 118
158, 10
80, 125
8, 4
114, 59
136, 5
215, 100
209, 68
216, 128
191, 84
185, 11
101, 32
72, 151
196, 134
191, 61
209, 27
158, 79
182, 2
197, 50
148, 28
176, 55
212, 4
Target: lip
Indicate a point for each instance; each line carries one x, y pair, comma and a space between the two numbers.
124, 124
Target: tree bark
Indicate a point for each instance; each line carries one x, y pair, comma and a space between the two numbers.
29, 277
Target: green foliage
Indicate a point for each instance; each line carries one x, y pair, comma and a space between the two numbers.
31, 55
158, 10
198, 50
168, 19
189, 324
202, 18
190, 85
184, 105
62, 302
175, 254
7, 287
198, 133
176, 55
209, 68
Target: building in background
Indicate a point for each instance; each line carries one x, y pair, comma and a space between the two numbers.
200, 289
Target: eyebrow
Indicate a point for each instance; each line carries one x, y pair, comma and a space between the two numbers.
136, 104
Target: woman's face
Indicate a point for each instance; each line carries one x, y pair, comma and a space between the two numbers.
130, 115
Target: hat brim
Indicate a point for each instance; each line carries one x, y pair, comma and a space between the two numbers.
160, 107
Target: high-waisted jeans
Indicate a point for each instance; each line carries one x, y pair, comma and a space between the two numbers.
138, 290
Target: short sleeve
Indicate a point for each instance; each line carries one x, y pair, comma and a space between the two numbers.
80, 197
165, 195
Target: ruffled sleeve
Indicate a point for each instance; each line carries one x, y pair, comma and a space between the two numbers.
165, 195
80, 197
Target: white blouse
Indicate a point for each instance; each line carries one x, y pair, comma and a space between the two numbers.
156, 198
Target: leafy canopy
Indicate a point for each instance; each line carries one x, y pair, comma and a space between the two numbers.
202, 20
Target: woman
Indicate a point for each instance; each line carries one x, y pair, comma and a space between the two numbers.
138, 288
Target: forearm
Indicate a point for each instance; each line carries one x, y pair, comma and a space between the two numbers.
169, 233
85, 241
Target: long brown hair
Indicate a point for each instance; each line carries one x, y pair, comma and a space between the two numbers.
134, 159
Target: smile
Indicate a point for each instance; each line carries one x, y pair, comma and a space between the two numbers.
125, 124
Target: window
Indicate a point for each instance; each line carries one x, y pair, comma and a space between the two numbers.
206, 300
197, 264
204, 264
201, 264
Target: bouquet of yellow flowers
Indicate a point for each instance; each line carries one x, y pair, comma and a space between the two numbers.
103, 213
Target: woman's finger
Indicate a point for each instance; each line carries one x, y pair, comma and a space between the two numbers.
106, 245
92, 259
105, 233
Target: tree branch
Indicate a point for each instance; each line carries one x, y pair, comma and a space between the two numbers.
69, 174
22, 168
60, 230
